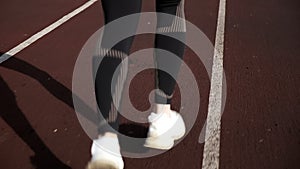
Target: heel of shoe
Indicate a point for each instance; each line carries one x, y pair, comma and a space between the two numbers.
163, 143
179, 129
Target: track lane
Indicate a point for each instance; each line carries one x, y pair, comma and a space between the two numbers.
50, 76
21, 19
41, 76
260, 126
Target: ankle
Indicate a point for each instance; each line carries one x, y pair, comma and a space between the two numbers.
162, 108
109, 134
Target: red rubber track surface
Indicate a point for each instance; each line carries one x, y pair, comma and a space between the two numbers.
261, 121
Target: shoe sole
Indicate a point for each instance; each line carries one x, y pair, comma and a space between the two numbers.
101, 165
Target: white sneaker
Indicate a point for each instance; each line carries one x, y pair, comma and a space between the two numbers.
106, 154
165, 128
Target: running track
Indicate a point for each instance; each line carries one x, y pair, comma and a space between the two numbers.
260, 127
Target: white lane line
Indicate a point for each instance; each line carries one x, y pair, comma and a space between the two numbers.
45, 31
211, 150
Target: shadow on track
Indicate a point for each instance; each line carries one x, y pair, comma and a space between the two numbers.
57, 89
13, 116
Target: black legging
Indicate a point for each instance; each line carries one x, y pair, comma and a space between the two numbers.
114, 9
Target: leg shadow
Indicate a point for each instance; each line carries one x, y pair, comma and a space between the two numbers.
57, 89
44, 158
134, 131
14, 117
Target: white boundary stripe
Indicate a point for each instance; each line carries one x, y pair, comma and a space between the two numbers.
211, 150
45, 31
